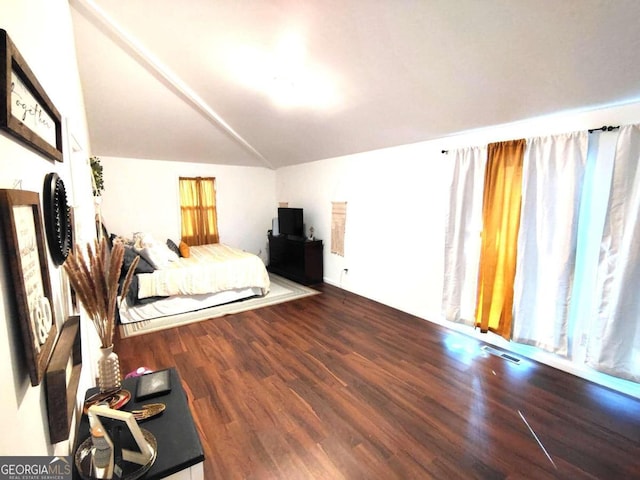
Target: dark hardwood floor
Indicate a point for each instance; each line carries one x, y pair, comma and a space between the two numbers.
335, 386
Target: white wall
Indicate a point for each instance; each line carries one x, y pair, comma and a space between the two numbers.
41, 30
396, 203
142, 195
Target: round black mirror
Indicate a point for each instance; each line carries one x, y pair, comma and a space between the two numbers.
57, 220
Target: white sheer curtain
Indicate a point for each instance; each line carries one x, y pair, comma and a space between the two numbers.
593, 210
614, 340
462, 234
552, 177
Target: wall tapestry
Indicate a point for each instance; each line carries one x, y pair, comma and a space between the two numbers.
338, 223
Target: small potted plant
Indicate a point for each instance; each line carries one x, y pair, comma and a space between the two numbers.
97, 180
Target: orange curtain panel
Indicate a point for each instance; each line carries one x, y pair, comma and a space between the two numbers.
501, 221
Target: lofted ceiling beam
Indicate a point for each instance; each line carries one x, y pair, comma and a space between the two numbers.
136, 50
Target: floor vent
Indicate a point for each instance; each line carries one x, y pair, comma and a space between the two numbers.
498, 353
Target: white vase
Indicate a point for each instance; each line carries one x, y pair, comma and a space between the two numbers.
108, 370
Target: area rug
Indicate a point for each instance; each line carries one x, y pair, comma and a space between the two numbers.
281, 290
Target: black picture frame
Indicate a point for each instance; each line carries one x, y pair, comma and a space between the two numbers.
21, 220
26, 112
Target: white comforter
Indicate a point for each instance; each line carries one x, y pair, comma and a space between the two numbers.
209, 269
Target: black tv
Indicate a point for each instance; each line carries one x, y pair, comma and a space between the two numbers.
290, 222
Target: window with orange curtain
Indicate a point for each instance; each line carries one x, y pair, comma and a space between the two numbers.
198, 211
501, 221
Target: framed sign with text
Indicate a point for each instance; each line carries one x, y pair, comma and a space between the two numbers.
26, 254
26, 112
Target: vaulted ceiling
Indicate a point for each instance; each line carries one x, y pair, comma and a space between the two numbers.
279, 82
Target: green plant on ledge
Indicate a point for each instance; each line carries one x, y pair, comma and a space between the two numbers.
97, 180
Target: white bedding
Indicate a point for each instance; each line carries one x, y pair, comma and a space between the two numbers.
180, 304
209, 269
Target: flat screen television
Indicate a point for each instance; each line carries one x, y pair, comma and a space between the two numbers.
290, 222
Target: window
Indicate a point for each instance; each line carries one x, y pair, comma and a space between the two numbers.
199, 220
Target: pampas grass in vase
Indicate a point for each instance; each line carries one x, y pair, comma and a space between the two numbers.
95, 276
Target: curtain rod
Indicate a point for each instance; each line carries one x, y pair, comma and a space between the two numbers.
605, 128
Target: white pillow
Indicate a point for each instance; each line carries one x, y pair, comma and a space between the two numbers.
156, 253
158, 256
142, 239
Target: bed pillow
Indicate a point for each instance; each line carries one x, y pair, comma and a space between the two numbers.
153, 251
115, 239
129, 256
158, 255
132, 293
173, 247
185, 251
141, 240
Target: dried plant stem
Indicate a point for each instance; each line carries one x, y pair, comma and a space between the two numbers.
94, 278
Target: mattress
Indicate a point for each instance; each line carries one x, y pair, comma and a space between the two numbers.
179, 304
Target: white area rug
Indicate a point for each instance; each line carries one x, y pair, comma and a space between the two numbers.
281, 290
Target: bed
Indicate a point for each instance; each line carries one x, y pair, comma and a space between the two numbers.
171, 280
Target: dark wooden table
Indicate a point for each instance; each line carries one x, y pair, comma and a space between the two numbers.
179, 445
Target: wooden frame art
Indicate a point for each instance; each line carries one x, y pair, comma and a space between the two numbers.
62, 379
26, 112
21, 219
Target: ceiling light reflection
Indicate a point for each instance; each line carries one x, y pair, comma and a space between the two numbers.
285, 74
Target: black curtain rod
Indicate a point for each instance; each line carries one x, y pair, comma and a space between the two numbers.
605, 128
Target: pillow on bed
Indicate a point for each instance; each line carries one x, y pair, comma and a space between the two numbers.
141, 239
132, 293
173, 247
129, 256
158, 255
153, 251
115, 239
184, 250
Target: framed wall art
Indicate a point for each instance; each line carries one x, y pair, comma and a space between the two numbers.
62, 379
26, 112
21, 219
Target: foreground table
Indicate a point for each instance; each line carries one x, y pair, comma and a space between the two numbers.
180, 454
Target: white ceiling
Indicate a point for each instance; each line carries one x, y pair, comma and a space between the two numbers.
161, 77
